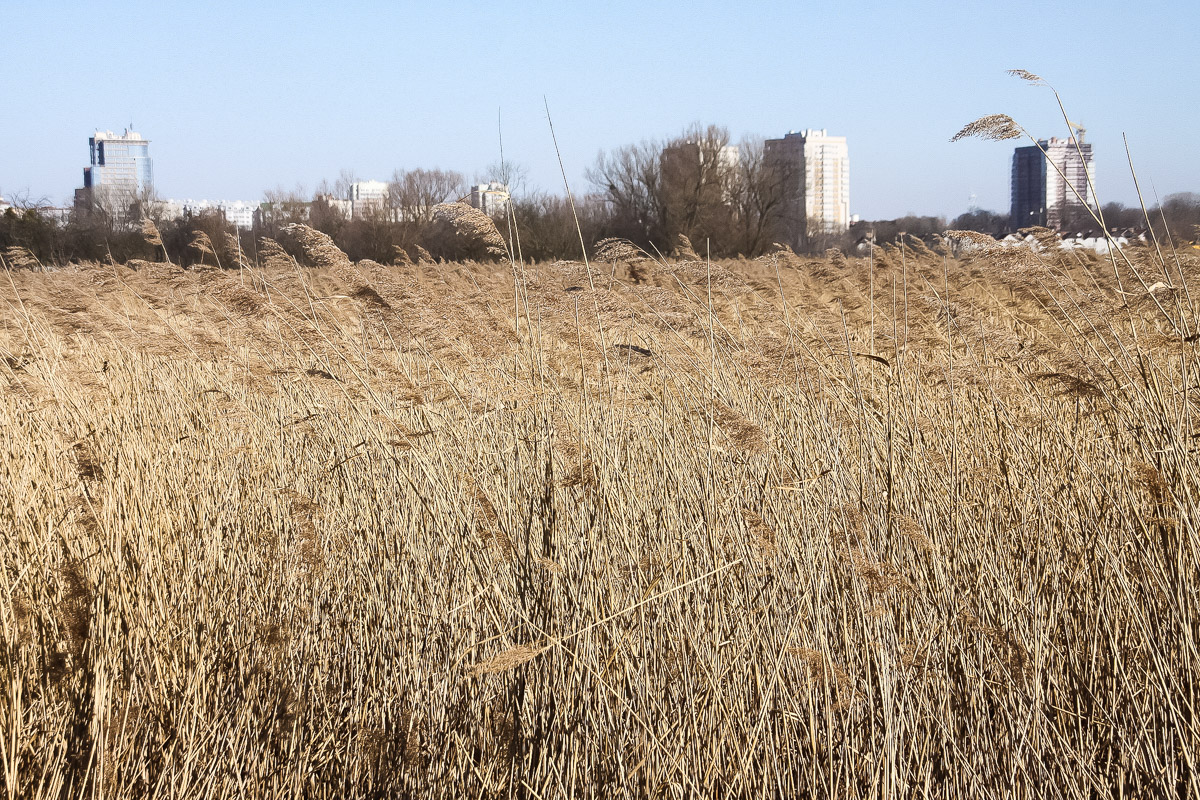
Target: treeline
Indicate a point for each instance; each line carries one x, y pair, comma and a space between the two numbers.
1177, 218
88, 239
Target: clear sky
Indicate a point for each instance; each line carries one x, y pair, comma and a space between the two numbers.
241, 97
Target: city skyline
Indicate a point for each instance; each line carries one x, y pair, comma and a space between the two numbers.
243, 112
100, 137
1052, 183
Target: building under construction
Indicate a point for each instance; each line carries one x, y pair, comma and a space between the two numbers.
1052, 183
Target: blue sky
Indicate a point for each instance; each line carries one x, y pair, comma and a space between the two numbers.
242, 97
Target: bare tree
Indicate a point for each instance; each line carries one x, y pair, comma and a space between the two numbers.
698, 170
694, 184
1119, 217
509, 173
106, 209
548, 224
981, 220
630, 181
24, 199
758, 198
413, 193
148, 204
281, 206
341, 187
1178, 216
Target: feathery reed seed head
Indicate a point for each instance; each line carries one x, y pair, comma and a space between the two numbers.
994, 127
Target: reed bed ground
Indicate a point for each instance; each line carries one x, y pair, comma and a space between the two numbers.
922, 524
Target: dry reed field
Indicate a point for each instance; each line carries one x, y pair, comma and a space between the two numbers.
922, 524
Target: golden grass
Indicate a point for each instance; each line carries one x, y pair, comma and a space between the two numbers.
781, 527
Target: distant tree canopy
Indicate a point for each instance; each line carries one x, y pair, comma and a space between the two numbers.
724, 199
989, 222
889, 230
1118, 217
1180, 216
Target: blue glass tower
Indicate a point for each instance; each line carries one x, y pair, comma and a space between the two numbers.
119, 164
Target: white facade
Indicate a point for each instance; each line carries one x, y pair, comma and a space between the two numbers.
236, 212
490, 198
239, 213
1078, 167
729, 156
827, 180
366, 197
818, 166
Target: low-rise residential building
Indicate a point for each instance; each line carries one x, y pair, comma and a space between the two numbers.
490, 198
367, 197
270, 213
236, 212
239, 213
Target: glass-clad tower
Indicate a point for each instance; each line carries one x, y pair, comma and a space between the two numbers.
1028, 188
120, 162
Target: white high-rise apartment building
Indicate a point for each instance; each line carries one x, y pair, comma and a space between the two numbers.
1067, 198
815, 169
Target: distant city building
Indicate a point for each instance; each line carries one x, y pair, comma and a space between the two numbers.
59, 215
239, 213
236, 212
814, 168
1052, 183
1028, 188
367, 197
119, 173
270, 213
490, 198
